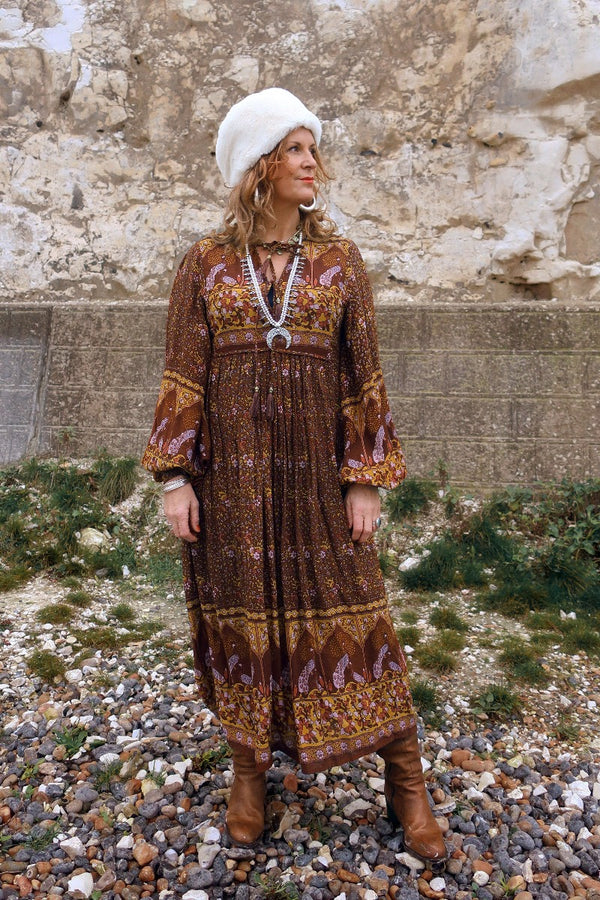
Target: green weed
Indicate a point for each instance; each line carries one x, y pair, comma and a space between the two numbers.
566, 729
55, 614
497, 701
408, 634
409, 498
72, 739
123, 612
116, 478
80, 599
435, 571
387, 563
579, 636
424, 695
433, 656
107, 774
409, 616
46, 665
162, 567
211, 758
40, 837
520, 659
453, 641
100, 637
445, 617
272, 887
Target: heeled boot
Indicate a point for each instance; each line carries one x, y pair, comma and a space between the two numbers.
246, 808
407, 800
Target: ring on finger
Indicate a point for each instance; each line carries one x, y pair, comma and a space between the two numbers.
376, 523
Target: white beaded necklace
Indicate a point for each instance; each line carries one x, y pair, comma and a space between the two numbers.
277, 327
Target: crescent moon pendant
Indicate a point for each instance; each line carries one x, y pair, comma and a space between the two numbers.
279, 330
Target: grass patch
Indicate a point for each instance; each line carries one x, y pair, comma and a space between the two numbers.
272, 887
453, 641
436, 571
520, 660
408, 634
424, 695
55, 614
13, 578
579, 636
566, 729
434, 656
46, 504
387, 563
162, 567
115, 478
80, 599
100, 637
445, 617
147, 629
409, 498
410, 616
123, 612
46, 665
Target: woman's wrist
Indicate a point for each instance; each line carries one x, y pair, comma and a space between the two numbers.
172, 484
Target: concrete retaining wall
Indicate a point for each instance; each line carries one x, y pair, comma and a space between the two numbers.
502, 393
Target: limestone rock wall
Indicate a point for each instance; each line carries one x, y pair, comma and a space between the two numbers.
463, 138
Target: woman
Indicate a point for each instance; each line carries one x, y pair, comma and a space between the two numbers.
272, 436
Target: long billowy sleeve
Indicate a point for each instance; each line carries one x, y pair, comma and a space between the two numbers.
371, 450
180, 438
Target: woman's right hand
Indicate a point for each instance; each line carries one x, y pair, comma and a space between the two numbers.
182, 511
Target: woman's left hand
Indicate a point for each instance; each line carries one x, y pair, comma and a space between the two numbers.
363, 508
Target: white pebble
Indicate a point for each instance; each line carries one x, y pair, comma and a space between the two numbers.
581, 788
108, 758
376, 784
126, 842
409, 563
83, 883
480, 878
438, 884
212, 835
195, 895
355, 806
572, 800
487, 779
73, 847
74, 676
411, 862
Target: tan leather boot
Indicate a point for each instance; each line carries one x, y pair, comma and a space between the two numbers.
407, 800
246, 809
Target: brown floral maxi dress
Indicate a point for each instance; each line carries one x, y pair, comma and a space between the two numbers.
293, 643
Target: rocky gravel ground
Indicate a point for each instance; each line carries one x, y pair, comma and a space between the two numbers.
114, 779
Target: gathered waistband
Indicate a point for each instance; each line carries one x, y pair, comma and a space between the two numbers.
241, 340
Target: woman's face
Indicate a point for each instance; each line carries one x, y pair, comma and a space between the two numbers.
294, 179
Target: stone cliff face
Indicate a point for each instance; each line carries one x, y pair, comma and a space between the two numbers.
463, 137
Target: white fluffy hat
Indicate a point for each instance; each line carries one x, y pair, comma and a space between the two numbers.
255, 125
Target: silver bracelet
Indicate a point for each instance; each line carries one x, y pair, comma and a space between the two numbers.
173, 483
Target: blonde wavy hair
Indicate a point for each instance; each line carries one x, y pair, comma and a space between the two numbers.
249, 211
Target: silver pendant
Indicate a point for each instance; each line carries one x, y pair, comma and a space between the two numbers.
272, 334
